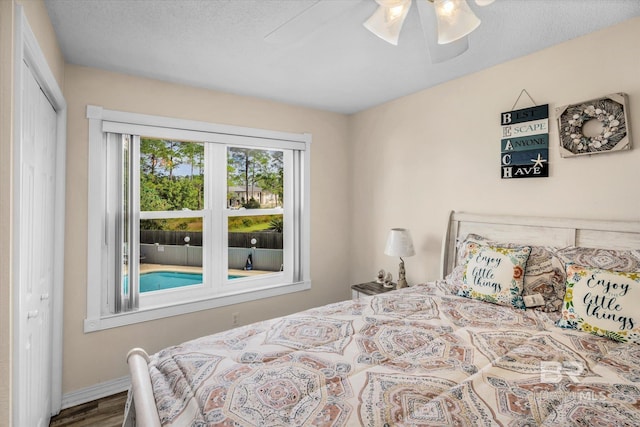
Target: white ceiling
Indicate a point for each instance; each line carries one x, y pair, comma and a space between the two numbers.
336, 65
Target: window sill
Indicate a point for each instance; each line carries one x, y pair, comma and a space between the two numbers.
145, 315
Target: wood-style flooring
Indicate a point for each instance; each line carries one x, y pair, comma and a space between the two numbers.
105, 412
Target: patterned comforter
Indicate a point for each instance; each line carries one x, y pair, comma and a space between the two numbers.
416, 356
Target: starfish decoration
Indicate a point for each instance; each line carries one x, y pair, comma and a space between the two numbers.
538, 162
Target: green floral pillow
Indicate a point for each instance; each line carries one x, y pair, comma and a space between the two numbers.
602, 302
495, 274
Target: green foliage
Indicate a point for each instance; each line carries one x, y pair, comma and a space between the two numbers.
276, 224
150, 200
154, 224
162, 193
249, 223
252, 204
160, 189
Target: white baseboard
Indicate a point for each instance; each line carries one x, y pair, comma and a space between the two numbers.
95, 392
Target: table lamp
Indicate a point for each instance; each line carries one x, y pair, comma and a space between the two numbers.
399, 244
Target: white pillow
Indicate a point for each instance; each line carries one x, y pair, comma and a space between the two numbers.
602, 302
495, 274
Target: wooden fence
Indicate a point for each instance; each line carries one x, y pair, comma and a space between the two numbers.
265, 239
263, 259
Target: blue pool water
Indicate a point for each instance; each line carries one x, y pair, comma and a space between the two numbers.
159, 280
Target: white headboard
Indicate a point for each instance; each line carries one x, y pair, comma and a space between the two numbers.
539, 231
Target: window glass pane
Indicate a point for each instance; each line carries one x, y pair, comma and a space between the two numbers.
255, 178
171, 175
170, 253
255, 245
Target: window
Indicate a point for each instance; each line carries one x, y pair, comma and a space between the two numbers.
186, 216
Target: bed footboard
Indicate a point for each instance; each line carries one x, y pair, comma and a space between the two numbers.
143, 400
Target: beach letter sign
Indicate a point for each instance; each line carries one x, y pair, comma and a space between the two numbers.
524, 147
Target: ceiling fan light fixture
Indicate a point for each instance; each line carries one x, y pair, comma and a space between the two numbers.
395, 12
455, 20
386, 22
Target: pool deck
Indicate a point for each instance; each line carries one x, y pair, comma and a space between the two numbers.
148, 268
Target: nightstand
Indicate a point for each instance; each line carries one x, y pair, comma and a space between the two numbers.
369, 288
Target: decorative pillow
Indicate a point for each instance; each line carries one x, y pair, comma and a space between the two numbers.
602, 302
495, 274
544, 274
606, 259
464, 248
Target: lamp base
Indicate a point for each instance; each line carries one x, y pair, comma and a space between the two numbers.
402, 281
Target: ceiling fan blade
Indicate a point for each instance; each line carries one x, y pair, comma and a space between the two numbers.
308, 21
429, 23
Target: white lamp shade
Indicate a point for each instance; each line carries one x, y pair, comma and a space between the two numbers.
484, 2
386, 22
455, 20
399, 243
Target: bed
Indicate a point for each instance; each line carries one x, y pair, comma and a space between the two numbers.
471, 348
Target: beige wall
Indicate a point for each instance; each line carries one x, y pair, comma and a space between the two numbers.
439, 149
100, 356
39, 21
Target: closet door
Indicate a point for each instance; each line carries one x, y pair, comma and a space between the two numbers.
35, 248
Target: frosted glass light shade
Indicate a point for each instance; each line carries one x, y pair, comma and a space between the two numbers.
399, 243
455, 20
386, 22
484, 2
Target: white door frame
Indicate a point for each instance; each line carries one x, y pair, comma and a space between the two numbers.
28, 51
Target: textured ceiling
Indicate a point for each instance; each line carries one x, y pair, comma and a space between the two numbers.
336, 65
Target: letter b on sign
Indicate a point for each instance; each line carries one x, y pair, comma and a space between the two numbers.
506, 118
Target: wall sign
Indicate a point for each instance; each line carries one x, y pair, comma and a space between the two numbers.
596, 126
524, 148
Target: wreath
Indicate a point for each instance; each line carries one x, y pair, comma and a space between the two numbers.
608, 112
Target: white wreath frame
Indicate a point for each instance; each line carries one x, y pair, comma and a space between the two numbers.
610, 110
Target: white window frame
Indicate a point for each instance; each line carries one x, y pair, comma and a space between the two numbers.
101, 123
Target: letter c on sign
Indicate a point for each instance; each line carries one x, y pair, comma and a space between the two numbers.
506, 159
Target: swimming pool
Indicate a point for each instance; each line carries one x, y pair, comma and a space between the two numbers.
159, 280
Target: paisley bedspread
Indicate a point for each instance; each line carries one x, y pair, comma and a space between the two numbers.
416, 356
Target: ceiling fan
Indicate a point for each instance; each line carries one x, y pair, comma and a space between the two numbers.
454, 18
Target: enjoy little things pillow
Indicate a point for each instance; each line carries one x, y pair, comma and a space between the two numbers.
544, 273
602, 302
495, 274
